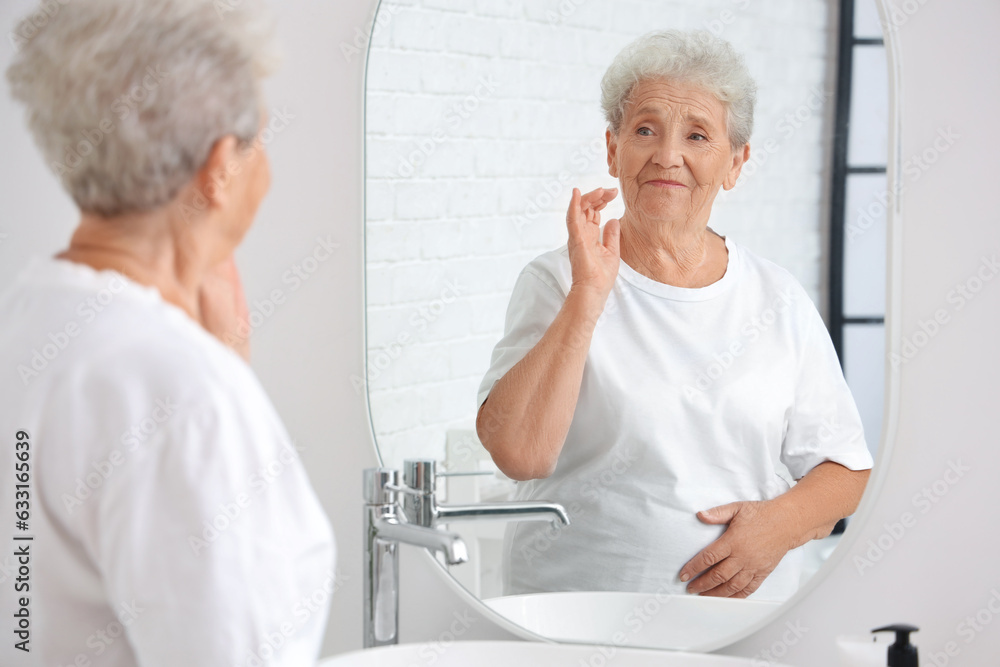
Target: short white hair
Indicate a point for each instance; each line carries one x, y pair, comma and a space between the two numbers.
125, 98
694, 57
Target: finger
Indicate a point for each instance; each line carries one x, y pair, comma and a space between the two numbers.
603, 203
596, 199
601, 194
574, 213
733, 587
721, 513
752, 586
612, 236
594, 196
714, 553
716, 576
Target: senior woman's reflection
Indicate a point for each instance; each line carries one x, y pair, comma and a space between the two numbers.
174, 523
651, 378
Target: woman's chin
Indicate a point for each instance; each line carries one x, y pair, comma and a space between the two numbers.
666, 213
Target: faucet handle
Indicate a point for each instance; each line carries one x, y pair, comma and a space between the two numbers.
420, 475
380, 485
402, 488
468, 473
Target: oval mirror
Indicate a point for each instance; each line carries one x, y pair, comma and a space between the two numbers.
481, 118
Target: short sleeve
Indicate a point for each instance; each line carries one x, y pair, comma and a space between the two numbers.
823, 424
212, 545
534, 304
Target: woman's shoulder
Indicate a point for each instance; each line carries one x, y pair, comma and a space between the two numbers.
101, 332
551, 268
761, 272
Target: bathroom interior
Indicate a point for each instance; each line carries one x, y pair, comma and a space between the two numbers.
432, 147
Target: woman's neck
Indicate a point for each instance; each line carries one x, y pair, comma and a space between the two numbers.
683, 257
150, 249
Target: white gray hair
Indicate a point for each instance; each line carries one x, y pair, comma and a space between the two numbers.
695, 57
125, 99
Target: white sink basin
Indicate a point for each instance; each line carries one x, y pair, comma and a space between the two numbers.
527, 654
683, 622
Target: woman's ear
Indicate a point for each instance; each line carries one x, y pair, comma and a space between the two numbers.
612, 142
213, 179
739, 159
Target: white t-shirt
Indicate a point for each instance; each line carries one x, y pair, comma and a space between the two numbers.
173, 521
690, 398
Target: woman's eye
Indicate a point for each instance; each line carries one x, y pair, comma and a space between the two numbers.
698, 135
645, 131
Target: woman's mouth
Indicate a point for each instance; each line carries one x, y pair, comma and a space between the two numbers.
666, 184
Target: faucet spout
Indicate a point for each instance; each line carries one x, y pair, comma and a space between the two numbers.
515, 511
450, 544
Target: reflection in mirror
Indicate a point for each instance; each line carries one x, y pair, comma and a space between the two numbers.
480, 122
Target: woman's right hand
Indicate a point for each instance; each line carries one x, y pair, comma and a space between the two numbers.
223, 307
594, 260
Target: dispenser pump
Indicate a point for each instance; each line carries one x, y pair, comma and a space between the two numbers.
901, 653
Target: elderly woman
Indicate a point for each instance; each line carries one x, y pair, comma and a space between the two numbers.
172, 520
654, 378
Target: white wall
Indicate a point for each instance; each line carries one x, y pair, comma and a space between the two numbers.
939, 572
482, 117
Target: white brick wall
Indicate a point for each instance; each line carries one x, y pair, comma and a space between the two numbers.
482, 115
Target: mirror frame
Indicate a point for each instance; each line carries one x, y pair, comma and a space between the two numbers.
893, 338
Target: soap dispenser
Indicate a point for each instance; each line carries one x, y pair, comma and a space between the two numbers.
901, 653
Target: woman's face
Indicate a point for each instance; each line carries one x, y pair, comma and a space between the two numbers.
672, 153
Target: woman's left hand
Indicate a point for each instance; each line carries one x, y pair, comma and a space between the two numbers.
758, 536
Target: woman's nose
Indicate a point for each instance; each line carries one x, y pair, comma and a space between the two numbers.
669, 152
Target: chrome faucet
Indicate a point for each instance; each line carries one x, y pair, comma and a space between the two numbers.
385, 527
422, 509
387, 524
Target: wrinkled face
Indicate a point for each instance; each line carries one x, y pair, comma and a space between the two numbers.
672, 153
